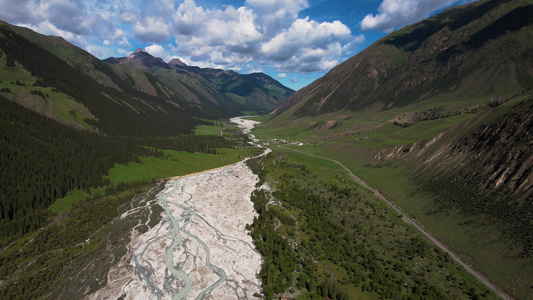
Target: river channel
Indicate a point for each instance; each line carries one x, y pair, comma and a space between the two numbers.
201, 248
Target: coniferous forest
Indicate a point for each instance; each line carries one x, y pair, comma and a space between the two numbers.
41, 160
323, 237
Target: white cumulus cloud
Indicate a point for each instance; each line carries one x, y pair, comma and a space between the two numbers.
152, 29
397, 13
267, 33
157, 50
273, 16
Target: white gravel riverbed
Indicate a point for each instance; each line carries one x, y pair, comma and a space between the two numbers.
201, 249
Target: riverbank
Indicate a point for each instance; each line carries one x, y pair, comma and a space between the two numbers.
201, 247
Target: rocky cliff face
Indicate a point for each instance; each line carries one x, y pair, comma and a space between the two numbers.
483, 166
497, 154
501, 153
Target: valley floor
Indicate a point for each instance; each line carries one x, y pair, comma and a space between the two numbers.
201, 247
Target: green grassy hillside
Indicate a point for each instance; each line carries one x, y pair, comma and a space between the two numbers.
17, 84
438, 117
482, 49
120, 112
422, 158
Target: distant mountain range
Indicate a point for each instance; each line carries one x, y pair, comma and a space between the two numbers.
254, 92
135, 95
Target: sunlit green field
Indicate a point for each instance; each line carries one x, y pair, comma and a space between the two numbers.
151, 168
177, 164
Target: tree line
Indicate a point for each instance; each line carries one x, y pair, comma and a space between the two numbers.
41, 160
279, 259
59, 250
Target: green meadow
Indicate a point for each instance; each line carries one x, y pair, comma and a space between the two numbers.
174, 164
19, 83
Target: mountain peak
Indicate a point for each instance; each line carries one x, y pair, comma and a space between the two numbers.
177, 62
137, 52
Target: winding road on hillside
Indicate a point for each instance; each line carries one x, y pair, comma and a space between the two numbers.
485, 280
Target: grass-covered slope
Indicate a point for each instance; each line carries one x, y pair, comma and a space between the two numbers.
465, 176
126, 111
42, 160
480, 49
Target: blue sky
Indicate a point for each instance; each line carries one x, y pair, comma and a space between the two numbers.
294, 41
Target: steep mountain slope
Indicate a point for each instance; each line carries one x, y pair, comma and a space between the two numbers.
89, 65
460, 64
479, 49
114, 108
257, 92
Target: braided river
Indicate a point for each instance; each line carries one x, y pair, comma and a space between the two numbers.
201, 248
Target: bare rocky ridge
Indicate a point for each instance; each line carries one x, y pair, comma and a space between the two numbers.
498, 154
